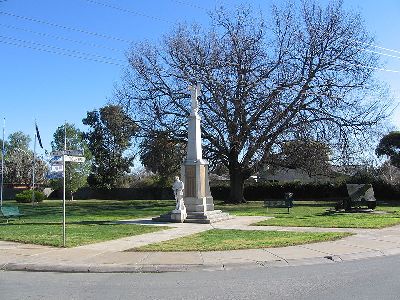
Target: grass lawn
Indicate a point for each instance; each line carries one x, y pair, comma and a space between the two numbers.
87, 221
222, 239
314, 214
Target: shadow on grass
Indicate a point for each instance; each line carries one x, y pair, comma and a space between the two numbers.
314, 204
107, 222
103, 209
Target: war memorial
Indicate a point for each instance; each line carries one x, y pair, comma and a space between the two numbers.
195, 203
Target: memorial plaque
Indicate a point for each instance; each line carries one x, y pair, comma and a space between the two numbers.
190, 181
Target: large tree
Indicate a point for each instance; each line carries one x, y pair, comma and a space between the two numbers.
76, 174
109, 137
307, 71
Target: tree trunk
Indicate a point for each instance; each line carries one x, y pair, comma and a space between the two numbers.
236, 187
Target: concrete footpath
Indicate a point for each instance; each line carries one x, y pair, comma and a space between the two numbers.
111, 256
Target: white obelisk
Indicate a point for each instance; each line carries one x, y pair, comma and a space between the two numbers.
197, 197
194, 171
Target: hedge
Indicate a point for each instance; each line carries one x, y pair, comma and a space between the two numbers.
26, 196
253, 192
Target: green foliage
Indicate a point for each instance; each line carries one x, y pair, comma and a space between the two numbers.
76, 174
18, 140
26, 196
390, 145
110, 136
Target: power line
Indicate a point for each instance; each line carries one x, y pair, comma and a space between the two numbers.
130, 11
60, 37
190, 4
373, 68
65, 27
378, 47
380, 53
61, 51
59, 48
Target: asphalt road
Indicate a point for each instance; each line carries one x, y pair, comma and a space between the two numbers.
376, 278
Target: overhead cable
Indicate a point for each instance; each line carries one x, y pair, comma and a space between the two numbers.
130, 11
58, 37
58, 50
65, 27
379, 47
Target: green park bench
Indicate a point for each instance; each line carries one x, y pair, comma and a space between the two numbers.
287, 202
10, 212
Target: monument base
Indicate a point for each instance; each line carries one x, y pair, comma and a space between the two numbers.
202, 204
178, 215
208, 217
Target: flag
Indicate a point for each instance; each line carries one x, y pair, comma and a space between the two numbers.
38, 136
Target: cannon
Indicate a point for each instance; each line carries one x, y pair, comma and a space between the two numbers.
359, 195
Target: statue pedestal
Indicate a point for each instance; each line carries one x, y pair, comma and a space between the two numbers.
197, 196
178, 215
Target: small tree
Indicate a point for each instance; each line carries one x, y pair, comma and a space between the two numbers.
307, 155
162, 154
19, 161
109, 138
76, 174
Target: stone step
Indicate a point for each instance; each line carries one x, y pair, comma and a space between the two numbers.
207, 213
198, 217
207, 218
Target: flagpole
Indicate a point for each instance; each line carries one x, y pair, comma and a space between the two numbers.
65, 148
2, 164
33, 170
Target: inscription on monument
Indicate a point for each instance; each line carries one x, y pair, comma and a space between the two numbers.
190, 181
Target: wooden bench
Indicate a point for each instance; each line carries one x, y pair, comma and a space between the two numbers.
287, 202
10, 212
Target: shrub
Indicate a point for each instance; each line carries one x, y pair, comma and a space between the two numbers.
26, 196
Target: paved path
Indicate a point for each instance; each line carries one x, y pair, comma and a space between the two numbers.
111, 256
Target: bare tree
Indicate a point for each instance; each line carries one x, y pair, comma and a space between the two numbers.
307, 73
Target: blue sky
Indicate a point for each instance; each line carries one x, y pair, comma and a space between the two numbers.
54, 88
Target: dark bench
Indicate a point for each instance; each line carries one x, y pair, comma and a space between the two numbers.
10, 212
287, 202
